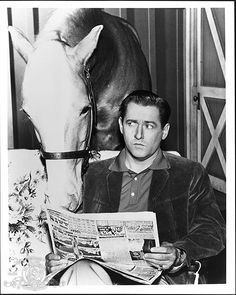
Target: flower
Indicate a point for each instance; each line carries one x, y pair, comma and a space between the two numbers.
16, 208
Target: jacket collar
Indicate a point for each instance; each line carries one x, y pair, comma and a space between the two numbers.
159, 163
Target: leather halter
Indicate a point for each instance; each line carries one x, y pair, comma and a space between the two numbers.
64, 155
84, 154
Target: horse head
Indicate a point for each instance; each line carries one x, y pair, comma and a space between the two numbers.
57, 100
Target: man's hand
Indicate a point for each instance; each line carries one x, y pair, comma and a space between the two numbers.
162, 257
54, 262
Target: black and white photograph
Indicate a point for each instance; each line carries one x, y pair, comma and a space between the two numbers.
118, 107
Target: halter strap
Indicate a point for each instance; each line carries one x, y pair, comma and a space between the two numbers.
64, 155
91, 96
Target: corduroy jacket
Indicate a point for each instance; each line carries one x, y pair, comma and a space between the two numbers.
183, 200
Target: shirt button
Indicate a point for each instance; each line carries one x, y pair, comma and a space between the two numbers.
135, 178
132, 194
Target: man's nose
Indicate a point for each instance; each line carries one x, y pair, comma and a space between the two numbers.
139, 132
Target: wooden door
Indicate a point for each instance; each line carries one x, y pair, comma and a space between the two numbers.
205, 99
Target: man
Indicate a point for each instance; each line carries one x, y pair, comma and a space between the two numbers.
143, 177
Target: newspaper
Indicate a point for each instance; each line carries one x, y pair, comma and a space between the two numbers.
116, 241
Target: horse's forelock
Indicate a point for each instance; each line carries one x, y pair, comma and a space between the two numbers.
72, 24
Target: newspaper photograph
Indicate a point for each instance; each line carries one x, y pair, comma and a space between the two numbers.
116, 241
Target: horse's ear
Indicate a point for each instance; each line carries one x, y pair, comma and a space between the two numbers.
84, 49
21, 43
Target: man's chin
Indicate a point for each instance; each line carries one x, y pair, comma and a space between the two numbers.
140, 156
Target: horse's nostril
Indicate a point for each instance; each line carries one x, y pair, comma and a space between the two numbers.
80, 208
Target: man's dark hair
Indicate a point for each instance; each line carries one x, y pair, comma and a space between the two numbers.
147, 98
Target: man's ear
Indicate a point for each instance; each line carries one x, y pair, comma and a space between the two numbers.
165, 131
120, 125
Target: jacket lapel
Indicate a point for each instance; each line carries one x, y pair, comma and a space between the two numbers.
158, 183
114, 183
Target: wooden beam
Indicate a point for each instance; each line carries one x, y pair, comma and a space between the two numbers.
216, 39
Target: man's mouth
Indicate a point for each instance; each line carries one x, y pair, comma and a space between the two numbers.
138, 144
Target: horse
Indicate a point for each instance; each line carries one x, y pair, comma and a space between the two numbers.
81, 66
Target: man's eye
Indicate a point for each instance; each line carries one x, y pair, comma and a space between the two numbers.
130, 123
149, 126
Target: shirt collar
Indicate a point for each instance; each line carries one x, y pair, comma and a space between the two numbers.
160, 162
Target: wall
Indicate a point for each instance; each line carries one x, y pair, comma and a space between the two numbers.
161, 35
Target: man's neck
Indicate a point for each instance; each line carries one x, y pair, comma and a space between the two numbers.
137, 165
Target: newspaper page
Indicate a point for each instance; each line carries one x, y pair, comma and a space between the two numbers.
114, 240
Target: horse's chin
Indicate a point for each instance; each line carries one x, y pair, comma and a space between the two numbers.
74, 203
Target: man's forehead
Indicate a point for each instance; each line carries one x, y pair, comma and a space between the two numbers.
135, 110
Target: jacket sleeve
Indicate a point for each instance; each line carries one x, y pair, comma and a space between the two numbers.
206, 226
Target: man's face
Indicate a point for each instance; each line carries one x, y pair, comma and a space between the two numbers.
142, 131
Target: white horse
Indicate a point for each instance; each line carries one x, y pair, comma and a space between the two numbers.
83, 63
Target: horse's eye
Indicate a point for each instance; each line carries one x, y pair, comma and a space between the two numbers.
85, 110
